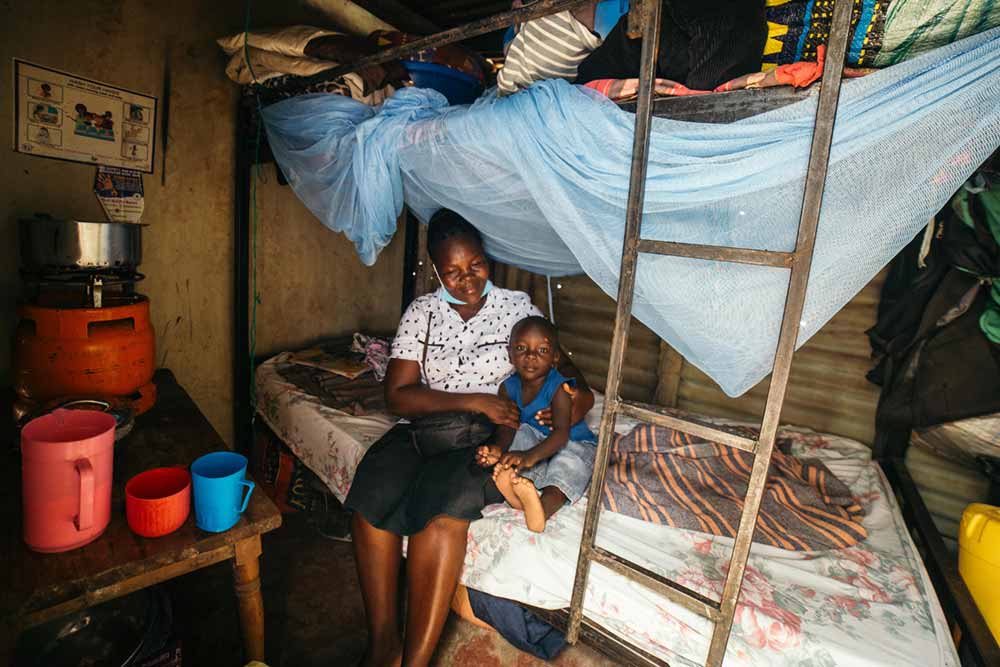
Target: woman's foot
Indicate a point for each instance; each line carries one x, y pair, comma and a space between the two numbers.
488, 455
502, 477
534, 513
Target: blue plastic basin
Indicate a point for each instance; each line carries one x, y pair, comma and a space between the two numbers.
458, 87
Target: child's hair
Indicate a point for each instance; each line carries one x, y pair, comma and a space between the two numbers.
446, 225
538, 322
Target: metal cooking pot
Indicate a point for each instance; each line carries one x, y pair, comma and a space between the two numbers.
74, 245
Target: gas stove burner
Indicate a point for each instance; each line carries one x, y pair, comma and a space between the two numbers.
81, 289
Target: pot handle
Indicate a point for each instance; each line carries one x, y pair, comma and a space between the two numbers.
85, 519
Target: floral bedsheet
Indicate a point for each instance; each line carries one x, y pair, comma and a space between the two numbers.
870, 605
330, 442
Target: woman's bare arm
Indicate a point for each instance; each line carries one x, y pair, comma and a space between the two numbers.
407, 397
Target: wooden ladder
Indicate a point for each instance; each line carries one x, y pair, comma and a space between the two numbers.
797, 262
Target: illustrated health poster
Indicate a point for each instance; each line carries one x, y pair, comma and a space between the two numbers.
67, 117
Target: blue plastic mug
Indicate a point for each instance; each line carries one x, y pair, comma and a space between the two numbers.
218, 480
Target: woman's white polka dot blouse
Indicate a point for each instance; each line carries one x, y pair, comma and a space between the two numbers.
462, 357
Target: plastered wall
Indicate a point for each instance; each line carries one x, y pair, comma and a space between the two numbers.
311, 282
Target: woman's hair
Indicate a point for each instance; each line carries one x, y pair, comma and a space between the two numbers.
446, 225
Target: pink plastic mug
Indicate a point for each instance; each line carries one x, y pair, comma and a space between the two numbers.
66, 467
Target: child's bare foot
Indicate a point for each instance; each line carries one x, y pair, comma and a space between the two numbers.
534, 513
502, 478
488, 455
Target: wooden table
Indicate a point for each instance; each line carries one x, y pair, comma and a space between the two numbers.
40, 587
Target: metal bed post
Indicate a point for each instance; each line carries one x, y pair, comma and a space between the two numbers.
798, 263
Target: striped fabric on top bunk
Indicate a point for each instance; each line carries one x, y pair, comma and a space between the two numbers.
663, 476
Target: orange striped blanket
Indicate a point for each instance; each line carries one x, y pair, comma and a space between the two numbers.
667, 477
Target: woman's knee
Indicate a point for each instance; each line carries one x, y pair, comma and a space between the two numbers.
444, 527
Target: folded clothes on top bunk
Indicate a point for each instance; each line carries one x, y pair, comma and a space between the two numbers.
268, 57
551, 164
667, 477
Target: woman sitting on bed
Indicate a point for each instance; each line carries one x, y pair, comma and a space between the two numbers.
449, 356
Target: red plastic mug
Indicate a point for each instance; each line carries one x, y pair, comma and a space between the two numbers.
158, 501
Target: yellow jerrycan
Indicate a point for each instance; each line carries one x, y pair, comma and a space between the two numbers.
979, 559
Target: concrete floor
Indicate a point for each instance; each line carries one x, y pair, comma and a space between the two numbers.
314, 615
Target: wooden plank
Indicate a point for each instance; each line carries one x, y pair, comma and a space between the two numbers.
676, 593
717, 253
655, 415
669, 369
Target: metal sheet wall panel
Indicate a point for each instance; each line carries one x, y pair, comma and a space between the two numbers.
827, 391
946, 486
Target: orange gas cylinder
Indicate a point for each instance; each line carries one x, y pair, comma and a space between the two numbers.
94, 352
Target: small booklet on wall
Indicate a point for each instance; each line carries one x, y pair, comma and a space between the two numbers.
347, 364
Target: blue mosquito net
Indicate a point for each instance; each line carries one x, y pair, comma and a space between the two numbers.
544, 175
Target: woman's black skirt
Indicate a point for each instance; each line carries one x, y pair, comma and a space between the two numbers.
399, 489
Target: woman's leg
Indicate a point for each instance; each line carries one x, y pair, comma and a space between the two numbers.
434, 560
377, 554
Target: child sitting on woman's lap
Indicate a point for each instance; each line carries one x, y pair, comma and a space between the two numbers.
555, 462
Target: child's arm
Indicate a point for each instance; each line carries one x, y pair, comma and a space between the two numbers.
562, 408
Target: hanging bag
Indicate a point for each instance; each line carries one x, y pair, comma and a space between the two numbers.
443, 432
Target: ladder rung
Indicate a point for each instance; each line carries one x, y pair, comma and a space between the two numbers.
671, 590
718, 253
654, 415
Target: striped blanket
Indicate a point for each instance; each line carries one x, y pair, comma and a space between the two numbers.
663, 476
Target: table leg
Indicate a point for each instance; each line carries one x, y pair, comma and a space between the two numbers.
246, 573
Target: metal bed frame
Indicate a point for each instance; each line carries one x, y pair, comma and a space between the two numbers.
982, 649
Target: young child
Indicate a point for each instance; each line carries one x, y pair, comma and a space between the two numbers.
554, 462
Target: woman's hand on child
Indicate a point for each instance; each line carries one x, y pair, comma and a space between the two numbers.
544, 416
488, 455
517, 460
500, 411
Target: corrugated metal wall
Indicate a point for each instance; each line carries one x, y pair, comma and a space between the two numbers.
827, 391
947, 487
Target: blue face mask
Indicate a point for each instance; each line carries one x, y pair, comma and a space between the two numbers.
446, 296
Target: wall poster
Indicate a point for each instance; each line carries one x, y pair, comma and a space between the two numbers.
67, 117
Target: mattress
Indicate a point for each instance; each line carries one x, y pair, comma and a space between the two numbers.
870, 605
329, 441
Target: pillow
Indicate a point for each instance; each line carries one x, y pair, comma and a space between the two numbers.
290, 41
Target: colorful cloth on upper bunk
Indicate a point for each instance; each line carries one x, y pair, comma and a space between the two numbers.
621, 90
796, 28
798, 75
667, 477
913, 27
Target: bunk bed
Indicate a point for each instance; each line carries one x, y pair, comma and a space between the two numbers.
872, 604
630, 636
